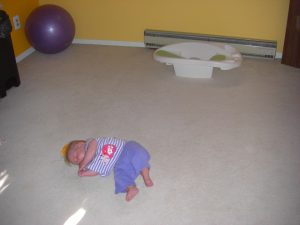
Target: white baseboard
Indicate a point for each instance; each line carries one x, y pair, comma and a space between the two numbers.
30, 50
278, 55
127, 44
112, 43
24, 54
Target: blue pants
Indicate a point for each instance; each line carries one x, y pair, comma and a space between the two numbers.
133, 159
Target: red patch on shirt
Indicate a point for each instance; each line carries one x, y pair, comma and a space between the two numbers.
109, 150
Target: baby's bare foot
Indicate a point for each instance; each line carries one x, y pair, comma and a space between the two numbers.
148, 182
146, 176
132, 191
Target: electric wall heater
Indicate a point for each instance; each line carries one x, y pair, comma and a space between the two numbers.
247, 47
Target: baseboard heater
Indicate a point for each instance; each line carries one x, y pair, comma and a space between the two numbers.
248, 47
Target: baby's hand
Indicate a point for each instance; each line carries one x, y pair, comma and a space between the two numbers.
81, 166
81, 173
87, 173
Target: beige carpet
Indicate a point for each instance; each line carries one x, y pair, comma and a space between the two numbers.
225, 151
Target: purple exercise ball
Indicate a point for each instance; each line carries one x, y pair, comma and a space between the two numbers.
50, 29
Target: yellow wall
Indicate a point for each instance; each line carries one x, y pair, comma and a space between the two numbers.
23, 9
126, 20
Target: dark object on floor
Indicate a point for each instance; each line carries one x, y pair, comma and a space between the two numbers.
9, 75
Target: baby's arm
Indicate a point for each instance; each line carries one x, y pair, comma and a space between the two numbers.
89, 155
87, 173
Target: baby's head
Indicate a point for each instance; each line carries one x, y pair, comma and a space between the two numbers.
75, 152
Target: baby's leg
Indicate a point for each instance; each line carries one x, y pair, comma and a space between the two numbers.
140, 161
125, 176
146, 176
133, 161
132, 191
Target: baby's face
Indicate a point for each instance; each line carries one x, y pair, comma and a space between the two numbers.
76, 155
